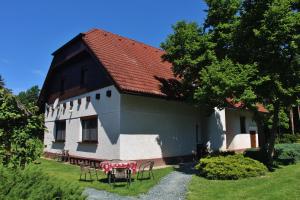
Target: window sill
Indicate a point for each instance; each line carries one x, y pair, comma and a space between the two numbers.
88, 142
58, 141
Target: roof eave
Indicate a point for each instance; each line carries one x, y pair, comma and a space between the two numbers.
80, 35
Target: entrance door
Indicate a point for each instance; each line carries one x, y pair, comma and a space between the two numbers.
253, 139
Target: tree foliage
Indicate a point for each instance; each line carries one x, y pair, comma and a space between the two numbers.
21, 130
246, 51
1, 82
30, 96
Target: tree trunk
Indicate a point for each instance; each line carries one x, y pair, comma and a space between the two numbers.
273, 133
258, 118
292, 120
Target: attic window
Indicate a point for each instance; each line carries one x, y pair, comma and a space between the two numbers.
79, 101
71, 104
83, 77
64, 105
108, 93
62, 85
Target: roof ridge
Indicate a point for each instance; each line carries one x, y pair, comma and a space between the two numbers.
133, 40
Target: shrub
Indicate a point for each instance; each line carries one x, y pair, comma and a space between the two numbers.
259, 154
286, 154
32, 183
230, 167
287, 138
221, 153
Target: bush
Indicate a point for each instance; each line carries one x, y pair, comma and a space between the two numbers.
230, 167
287, 138
286, 154
220, 153
32, 183
259, 154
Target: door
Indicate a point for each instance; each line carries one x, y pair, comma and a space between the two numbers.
253, 139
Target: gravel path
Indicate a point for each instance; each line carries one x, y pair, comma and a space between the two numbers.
171, 187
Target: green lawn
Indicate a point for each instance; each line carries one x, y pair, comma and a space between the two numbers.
71, 173
284, 183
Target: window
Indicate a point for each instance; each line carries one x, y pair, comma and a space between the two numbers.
89, 129
83, 76
62, 85
60, 132
243, 124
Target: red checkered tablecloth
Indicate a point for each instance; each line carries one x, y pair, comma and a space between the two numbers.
107, 166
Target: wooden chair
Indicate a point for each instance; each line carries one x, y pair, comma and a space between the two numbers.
84, 169
59, 156
66, 156
63, 156
148, 165
121, 173
94, 166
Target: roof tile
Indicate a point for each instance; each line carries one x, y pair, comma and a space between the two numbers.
134, 66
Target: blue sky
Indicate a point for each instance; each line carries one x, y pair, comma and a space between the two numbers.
31, 30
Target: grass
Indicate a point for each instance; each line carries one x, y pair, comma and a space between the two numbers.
284, 183
70, 173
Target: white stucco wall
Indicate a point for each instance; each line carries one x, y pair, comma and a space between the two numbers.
108, 111
214, 129
156, 128
136, 127
235, 139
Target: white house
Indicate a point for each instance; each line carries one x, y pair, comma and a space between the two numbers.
113, 99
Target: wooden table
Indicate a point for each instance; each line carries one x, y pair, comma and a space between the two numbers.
107, 167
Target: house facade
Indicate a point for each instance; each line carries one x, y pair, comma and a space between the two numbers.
109, 97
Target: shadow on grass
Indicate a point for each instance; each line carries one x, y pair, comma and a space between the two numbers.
86, 180
105, 180
186, 168
143, 179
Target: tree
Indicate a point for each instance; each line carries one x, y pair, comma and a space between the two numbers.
30, 96
246, 51
1, 82
21, 131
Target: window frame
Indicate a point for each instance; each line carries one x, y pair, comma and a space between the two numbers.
83, 76
62, 86
61, 139
83, 129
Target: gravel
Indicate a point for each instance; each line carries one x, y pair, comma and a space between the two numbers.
171, 187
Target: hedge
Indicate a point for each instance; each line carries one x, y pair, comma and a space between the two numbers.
286, 154
32, 183
230, 167
287, 138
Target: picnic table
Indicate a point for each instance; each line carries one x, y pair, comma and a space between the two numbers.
108, 166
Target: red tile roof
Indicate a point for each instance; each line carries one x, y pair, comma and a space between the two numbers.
260, 107
134, 66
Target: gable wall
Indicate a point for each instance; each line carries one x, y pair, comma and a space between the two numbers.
68, 64
108, 111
